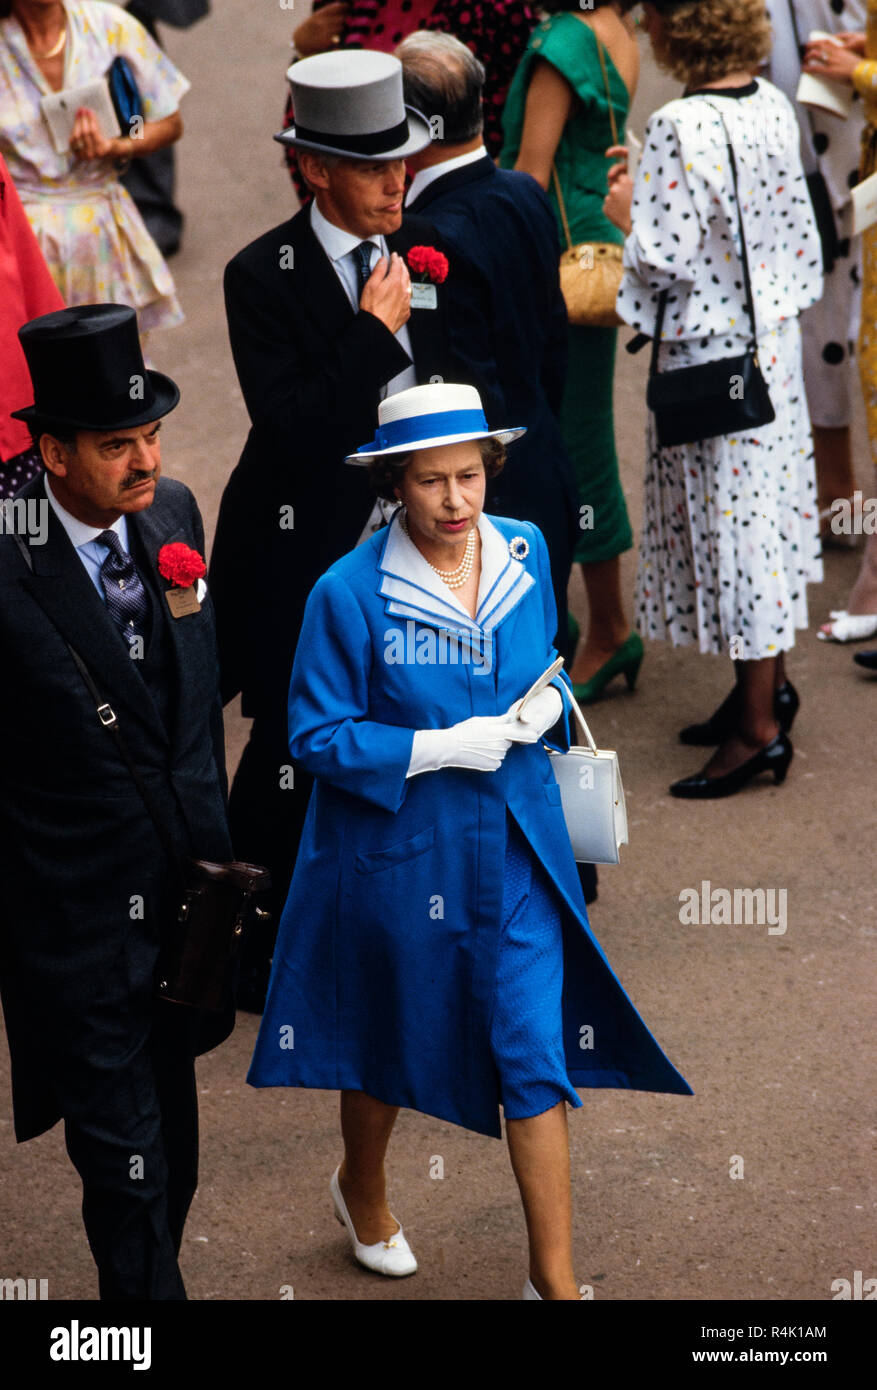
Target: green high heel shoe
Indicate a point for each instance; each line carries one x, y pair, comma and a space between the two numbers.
626, 662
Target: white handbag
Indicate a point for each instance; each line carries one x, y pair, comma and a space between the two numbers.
592, 798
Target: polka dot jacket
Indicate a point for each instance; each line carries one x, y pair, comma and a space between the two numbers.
685, 224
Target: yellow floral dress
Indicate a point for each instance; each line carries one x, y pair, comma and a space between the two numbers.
92, 236
865, 83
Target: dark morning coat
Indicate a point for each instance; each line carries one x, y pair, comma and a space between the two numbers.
77, 848
501, 224
311, 371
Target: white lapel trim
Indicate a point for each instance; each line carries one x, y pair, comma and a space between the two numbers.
413, 589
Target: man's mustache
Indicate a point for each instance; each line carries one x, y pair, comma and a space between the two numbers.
134, 480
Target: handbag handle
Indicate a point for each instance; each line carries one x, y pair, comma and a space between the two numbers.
560, 202
744, 261
589, 737
562, 205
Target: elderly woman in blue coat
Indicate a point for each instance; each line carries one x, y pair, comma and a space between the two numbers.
434, 951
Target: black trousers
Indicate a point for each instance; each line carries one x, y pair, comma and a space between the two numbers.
131, 1128
266, 816
151, 181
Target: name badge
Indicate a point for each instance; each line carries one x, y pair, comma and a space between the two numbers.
424, 297
182, 601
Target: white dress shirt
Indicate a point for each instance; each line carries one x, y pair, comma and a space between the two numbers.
339, 247
83, 538
424, 177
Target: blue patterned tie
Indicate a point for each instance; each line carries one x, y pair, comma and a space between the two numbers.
362, 259
127, 603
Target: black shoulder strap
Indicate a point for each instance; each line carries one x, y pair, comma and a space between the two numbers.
744, 261
656, 340
744, 257
107, 716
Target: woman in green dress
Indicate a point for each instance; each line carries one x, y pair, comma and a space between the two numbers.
557, 114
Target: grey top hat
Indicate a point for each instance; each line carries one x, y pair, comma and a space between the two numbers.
352, 104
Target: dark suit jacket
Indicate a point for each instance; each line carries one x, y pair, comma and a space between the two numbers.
509, 332
77, 849
311, 371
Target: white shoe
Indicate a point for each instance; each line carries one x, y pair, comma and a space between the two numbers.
530, 1292
849, 627
393, 1256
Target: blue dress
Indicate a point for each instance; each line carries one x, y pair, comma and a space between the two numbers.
526, 1029
432, 921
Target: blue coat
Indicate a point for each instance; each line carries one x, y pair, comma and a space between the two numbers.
385, 963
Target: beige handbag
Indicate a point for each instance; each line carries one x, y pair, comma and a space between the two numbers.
590, 274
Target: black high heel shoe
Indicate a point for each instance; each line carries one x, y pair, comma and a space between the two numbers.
723, 722
773, 757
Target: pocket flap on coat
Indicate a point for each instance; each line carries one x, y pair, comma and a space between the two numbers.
370, 861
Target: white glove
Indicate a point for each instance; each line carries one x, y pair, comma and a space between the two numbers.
480, 743
543, 711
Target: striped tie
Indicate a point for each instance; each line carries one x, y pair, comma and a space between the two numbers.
127, 603
362, 259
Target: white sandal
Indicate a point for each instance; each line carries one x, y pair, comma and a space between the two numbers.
849, 627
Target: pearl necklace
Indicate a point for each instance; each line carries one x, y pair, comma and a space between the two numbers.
52, 52
455, 579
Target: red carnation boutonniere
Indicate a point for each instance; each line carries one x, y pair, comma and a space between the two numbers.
183, 566
426, 261
433, 268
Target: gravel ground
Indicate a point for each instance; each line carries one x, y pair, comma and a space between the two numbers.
773, 1031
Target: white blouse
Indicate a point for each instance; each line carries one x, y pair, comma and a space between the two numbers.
414, 590
685, 224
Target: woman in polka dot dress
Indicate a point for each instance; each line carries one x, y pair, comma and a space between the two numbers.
856, 62
830, 156
730, 529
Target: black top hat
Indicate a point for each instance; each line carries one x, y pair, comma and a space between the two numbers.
87, 370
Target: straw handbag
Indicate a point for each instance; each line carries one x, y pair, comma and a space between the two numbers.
590, 274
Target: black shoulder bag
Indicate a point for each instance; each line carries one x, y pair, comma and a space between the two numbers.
213, 900
727, 396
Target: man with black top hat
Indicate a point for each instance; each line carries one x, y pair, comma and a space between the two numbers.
87, 895
324, 323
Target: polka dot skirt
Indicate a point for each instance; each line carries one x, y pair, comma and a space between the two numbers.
730, 535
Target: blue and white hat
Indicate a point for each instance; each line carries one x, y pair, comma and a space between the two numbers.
425, 417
